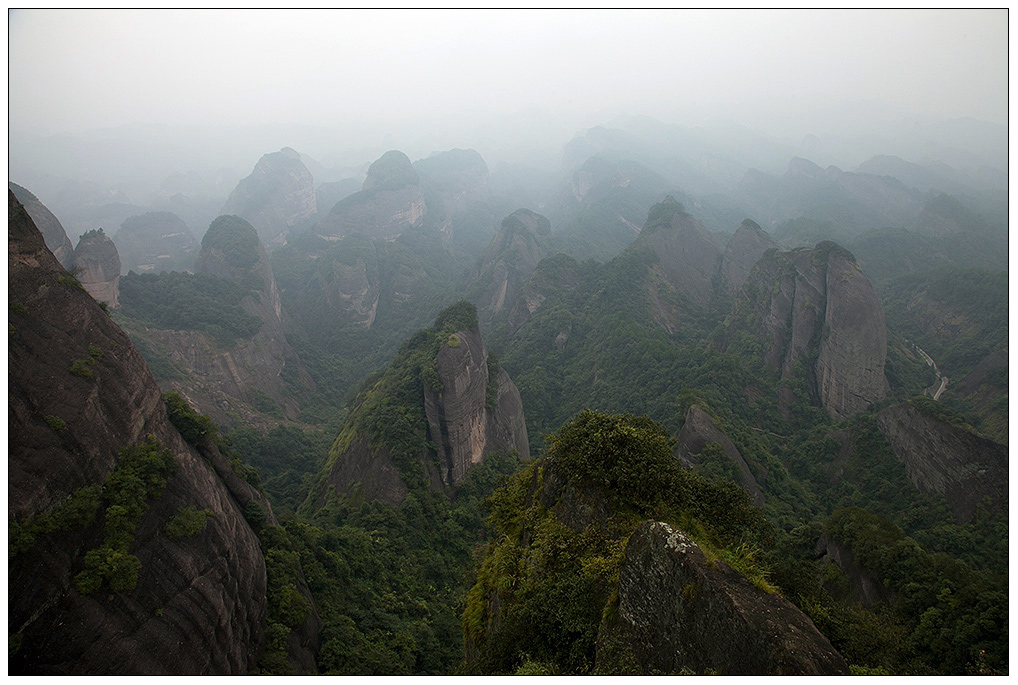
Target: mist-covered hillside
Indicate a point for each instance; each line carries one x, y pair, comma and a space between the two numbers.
586, 343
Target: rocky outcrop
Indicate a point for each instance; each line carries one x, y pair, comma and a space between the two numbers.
816, 308
678, 610
278, 195
744, 249
505, 267
349, 278
471, 408
243, 381
941, 458
697, 432
688, 255
864, 587
552, 276
155, 242
478, 410
52, 230
97, 266
199, 603
390, 202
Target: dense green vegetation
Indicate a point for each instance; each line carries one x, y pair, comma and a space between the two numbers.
387, 580
608, 366
552, 581
235, 239
958, 316
182, 301
944, 617
414, 277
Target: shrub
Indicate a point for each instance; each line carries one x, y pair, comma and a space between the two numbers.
187, 521
82, 367
194, 427
70, 281
55, 423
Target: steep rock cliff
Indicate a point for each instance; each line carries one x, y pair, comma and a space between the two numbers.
199, 603
505, 267
390, 201
97, 266
946, 459
697, 432
437, 410
815, 307
154, 242
743, 251
678, 610
477, 410
864, 587
688, 255
278, 195
52, 230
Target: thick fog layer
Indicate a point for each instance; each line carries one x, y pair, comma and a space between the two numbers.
129, 97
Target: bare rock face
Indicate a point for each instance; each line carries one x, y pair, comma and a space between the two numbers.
52, 230
474, 413
808, 305
744, 249
278, 195
510, 260
390, 201
97, 265
154, 242
350, 281
471, 408
678, 610
243, 379
688, 254
697, 432
850, 368
199, 603
941, 458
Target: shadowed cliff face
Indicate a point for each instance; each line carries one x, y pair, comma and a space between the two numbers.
97, 265
199, 602
461, 420
278, 195
52, 230
815, 307
688, 255
677, 610
942, 459
697, 432
476, 412
742, 252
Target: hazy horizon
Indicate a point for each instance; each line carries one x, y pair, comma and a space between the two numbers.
75, 70
125, 98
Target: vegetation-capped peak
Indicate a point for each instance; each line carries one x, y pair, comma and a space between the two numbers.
391, 171
235, 238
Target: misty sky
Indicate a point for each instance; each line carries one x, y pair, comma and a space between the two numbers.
76, 70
